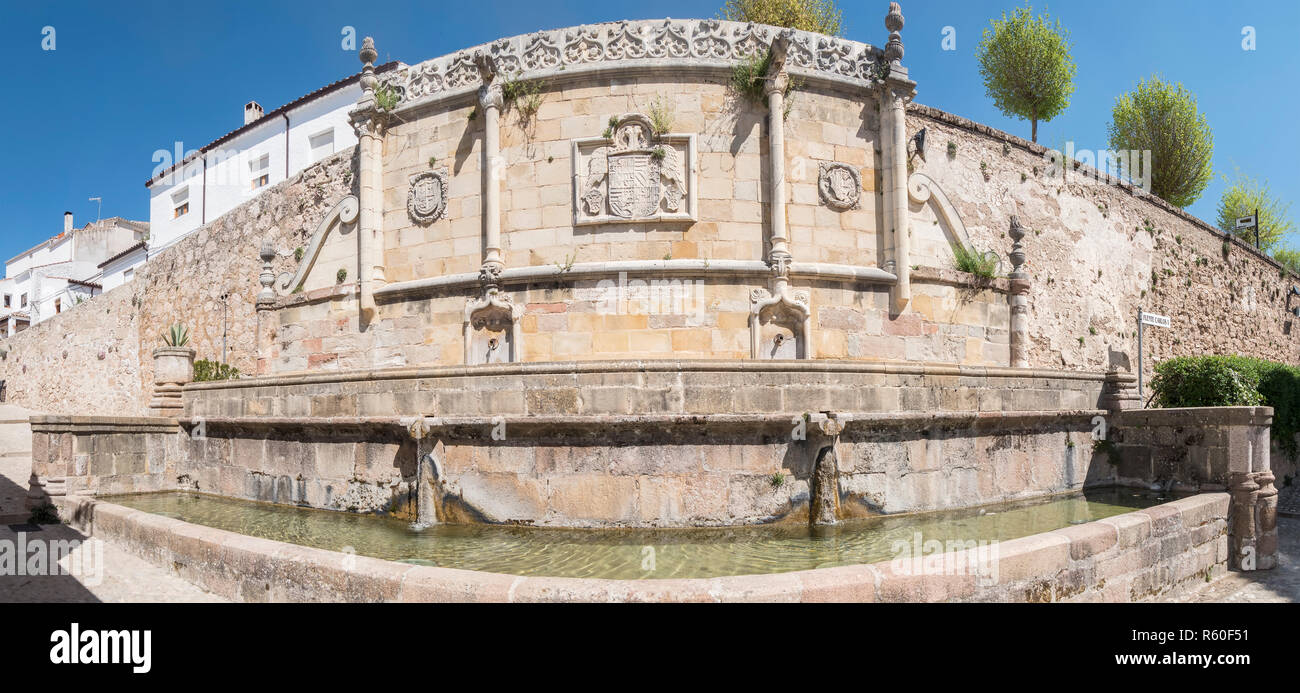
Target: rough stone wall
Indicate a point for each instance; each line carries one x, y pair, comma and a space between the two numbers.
1097, 252
97, 357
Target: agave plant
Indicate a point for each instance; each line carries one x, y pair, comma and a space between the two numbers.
177, 335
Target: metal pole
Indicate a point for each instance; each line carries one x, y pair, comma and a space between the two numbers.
1257, 228
224, 311
1141, 395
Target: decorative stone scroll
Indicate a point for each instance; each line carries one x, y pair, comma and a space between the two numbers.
840, 185
634, 174
637, 44
426, 200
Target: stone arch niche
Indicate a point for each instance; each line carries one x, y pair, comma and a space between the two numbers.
492, 332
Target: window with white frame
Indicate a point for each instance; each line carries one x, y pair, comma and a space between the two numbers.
322, 144
9, 299
259, 171
181, 202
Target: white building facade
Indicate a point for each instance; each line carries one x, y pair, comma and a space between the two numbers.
240, 165
62, 272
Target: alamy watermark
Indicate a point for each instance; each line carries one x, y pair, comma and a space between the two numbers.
39, 557
1105, 167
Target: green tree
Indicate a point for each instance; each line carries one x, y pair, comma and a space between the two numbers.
1245, 195
1288, 257
820, 16
1026, 65
1162, 117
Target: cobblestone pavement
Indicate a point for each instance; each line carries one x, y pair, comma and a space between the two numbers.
113, 576
1288, 500
1281, 584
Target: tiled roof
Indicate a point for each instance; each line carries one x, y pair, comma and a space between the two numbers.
123, 254
328, 88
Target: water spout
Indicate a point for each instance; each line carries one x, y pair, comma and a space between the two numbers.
825, 488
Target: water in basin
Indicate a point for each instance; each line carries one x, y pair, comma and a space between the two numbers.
634, 553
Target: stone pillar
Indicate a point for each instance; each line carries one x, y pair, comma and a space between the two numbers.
896, 91
1019, 297
368, 121
1252, 512
1119, 393
774, 85
491, 100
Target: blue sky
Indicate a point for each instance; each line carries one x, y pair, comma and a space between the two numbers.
84, 119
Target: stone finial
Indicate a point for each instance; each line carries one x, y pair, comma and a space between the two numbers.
894, 23
368, 55
776, 78
1017, 255
267, 277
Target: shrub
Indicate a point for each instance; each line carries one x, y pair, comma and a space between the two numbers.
820, 16
1229, 381
208, 371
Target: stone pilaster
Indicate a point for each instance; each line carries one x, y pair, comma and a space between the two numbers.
368, 121
1252, 513
1019, 298
490, 101
896, 91
775, 84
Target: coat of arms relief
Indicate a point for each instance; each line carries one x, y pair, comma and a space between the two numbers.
634, 174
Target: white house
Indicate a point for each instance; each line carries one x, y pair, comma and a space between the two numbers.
241, 164
63, 271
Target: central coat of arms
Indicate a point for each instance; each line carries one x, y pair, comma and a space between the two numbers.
632, 174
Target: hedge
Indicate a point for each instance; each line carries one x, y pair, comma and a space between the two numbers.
1230, 381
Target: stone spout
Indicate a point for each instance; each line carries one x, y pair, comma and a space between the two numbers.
825, 488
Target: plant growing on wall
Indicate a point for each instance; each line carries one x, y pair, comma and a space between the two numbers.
386, 97
342, 275
177, 336
820, 16
1162, 117
1026, 65
661, 116
748, 79
979, 264
1242, 198
525, 97
209, 371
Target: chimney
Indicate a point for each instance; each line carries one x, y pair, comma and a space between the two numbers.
67, 222
252, 112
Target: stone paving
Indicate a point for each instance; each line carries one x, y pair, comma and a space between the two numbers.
1282, 584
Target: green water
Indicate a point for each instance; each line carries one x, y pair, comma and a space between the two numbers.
633, 553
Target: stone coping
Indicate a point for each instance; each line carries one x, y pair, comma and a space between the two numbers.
605, 422
1032, 568
951, 277
641, 366
1198, 416
104, 424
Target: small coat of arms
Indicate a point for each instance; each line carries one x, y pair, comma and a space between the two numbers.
426, 200
840, 185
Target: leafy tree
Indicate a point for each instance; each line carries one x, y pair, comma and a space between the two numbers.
1288, 257
1162, 117
820, 16
1241, 198
1026, 65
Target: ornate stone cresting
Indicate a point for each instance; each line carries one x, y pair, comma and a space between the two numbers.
840, 185
634, 174
1019, 297
369, 121
648, 44
426, 196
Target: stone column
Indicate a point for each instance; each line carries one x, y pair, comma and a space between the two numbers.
368, 121
774, 85
1252, 512
896, 91
491, 100
1019, 281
